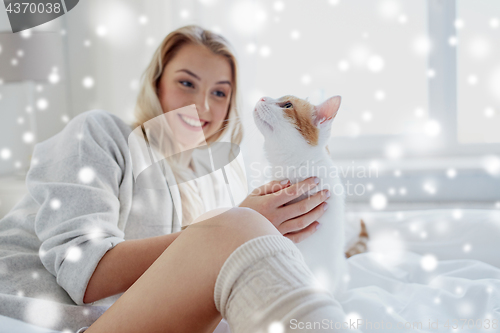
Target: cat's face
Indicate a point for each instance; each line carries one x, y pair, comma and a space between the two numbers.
296, 120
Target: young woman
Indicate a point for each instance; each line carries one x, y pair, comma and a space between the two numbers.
86, 231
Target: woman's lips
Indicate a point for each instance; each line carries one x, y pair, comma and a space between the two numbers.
191, 123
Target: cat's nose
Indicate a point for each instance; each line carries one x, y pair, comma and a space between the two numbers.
263, 99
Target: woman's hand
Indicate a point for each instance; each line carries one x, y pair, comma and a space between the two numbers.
296, 221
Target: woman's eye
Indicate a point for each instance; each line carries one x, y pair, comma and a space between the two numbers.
220, 93
186, 83
287, 105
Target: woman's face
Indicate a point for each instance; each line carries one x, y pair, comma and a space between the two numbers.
195, 75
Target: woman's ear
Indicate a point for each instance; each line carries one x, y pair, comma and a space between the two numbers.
326, 111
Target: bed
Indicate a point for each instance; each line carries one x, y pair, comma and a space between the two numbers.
427, 271
435, 270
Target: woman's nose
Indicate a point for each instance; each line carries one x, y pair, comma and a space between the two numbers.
202, 104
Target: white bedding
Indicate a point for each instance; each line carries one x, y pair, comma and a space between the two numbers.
397, 283
440, 268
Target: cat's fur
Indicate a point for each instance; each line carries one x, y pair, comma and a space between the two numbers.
296, 133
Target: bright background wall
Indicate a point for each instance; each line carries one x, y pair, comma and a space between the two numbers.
420, 82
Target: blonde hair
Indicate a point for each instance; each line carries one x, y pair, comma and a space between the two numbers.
148, 105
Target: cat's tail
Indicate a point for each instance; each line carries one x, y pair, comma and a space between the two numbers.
361, 245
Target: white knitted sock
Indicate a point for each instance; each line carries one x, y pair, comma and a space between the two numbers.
265, 286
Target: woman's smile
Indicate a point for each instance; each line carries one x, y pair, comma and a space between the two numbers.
193, 123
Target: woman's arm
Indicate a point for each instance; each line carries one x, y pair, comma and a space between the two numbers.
121, 266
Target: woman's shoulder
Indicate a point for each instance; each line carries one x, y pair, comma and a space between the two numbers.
99, 122
95, 134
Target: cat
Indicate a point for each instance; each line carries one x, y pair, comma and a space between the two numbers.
296, 134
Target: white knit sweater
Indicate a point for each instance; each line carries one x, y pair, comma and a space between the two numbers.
82, 202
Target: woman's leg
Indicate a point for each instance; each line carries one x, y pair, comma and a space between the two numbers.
176, 294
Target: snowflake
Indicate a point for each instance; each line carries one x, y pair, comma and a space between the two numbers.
457, 214
472, 80
402, 191
306, 79
375, 63
101, 31
353, 317
26, 33
367, 116
295, 34
42, 104
88, 82
459, 23
55, 204
276, 327
87, 43
73, 254
492, 165
64, 118
393, 151
429, 188
28, 137
247, 17
5, 154
251, 48
379, 95
265, 51
42, 313
453, 40
53, 78
451, 173
378, 201
432, 128
467, 247
494, 23
419, 112
96, 233
184, 14
428, 262
489, 112
86, 175
422, 45
143, 19
343, 65
279, 6
389, 9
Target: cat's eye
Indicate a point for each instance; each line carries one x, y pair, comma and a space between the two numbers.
286, 105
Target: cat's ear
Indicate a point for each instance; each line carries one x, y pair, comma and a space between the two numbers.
326, 111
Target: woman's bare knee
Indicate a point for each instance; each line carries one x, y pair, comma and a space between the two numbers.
220, 235
237, 223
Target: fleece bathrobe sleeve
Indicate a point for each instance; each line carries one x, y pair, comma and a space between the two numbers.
75, 177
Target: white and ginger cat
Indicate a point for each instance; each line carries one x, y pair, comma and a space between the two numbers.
296, 133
